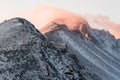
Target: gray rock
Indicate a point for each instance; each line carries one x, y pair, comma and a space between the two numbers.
25, 54
99, 54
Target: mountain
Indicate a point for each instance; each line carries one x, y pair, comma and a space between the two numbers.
60, 54
97, 50
103, 22
26, 54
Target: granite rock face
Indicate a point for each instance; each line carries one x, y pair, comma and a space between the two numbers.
25, 54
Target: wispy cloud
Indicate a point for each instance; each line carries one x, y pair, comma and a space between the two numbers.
42, 16
106, 23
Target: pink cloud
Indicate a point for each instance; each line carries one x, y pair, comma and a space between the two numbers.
106, 23
42, 16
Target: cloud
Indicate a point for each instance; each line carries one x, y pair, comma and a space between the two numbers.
106, 23
42, 16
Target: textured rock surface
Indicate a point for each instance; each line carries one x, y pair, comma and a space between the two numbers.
99, 51
25, 54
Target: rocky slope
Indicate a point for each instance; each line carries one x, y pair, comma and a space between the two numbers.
25, 54
97, 50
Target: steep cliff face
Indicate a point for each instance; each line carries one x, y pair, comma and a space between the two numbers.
82, 53
99, 51
25, 54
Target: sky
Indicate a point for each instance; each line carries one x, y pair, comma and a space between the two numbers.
100, 8
111, 8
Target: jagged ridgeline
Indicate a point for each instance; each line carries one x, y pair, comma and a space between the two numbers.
60, 54
97, 50
25, 54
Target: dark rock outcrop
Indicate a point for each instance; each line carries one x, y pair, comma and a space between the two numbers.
25, 54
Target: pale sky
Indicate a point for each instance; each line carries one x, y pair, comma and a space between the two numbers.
110, 8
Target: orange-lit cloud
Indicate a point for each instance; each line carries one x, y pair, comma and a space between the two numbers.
42, 16
106, 23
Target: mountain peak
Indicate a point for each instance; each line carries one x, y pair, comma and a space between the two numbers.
22, 24
24, 55
62, 53
80, 24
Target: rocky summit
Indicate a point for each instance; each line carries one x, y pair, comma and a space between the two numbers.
60, 54
26, 54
